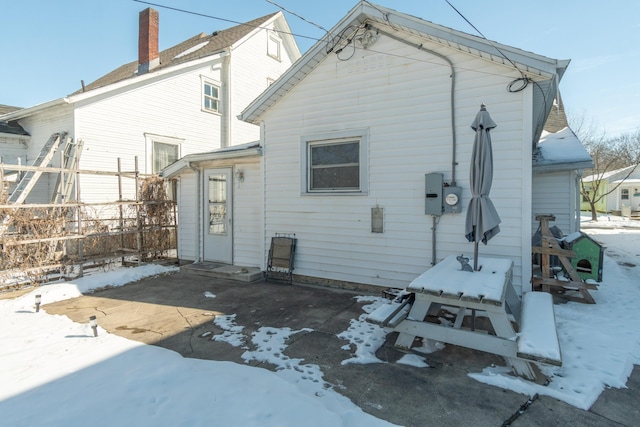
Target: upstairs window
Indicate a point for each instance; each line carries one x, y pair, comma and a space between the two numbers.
210, 97
274, 45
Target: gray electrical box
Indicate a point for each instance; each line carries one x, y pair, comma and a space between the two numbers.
433, 193
452, 197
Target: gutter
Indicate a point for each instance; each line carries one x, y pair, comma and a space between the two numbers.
559, 167
26, 112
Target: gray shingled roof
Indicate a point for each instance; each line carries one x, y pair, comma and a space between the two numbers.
217, 41
12, 127
4, 109
557, 119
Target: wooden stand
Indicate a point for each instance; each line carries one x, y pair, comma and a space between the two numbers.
548, 282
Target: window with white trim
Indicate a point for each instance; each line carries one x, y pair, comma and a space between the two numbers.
274, 45
210, 96
624, 194
335, 163
164, 154
161, 151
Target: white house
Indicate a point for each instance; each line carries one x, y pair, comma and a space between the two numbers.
163, 106
558, 162
13, 140
623, 187
356, 135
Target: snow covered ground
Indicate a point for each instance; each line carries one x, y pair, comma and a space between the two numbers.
54, 372
600, 342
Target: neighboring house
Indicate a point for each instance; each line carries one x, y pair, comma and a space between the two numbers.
13, 146
558, 163
163, 106
351, 130
626, 197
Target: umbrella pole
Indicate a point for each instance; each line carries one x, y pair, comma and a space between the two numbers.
475, 256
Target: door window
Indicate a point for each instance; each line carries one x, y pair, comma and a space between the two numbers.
217, 204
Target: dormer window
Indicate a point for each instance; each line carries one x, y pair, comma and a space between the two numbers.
274, 44
210, 96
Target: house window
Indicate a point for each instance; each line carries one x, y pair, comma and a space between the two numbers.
161, 151
624, 194
335, 163
210, 97
273, 45
164, 154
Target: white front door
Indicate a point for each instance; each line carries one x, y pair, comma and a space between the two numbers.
218, 239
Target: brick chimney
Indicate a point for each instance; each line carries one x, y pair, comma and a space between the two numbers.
148, 57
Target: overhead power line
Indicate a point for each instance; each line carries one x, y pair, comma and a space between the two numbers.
218, 18
298, 16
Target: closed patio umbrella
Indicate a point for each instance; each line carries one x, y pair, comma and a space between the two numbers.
482, 222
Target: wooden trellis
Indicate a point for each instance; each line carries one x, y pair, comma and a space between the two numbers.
41, 241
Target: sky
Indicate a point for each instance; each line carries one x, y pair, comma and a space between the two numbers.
48, 47
50, 364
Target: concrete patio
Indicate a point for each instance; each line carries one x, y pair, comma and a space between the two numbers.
170, 311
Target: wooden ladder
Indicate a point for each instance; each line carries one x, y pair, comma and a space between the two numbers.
548, 282
64, 184
30, 179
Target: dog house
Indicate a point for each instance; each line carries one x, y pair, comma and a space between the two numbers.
589, 253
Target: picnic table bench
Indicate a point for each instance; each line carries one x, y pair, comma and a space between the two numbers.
490, 291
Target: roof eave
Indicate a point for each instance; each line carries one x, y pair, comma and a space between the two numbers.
194, 160
531, 63
26, 112
564, 166
148, 76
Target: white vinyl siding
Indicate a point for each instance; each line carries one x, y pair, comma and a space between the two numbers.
248, 216
250, 67
554, 193
41, 126
188, 218
409, 135
13, 150
115, 127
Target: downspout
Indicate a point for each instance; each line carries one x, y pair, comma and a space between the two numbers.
225, 128
452, 120
199, 195
578, 200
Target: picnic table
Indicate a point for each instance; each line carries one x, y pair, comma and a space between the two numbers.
489, 291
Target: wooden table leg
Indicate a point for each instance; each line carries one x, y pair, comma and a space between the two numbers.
418, 312
502, 327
